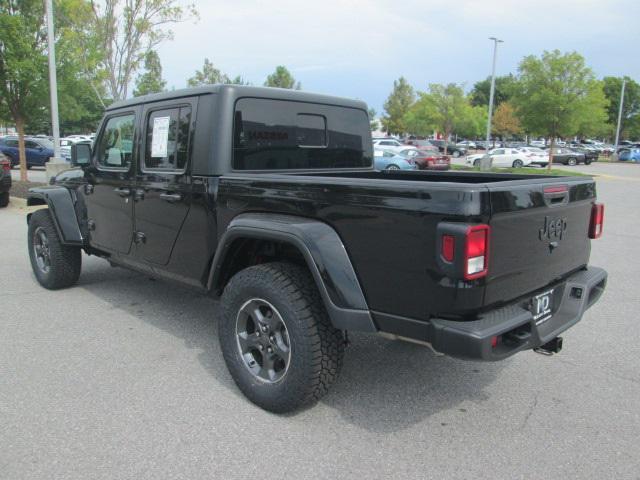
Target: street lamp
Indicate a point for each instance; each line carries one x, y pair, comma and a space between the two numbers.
624, 82
493, 87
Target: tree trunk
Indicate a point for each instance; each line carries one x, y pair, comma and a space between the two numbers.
553, 144
21, 152
446, 141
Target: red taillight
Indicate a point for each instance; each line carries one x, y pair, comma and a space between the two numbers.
448, 248
597, 220
476, 259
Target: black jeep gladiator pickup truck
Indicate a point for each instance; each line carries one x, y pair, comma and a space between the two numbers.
268, 198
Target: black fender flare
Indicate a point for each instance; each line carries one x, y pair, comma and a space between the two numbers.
325, 256
62, 208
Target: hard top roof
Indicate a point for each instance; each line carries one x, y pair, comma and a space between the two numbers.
238, 91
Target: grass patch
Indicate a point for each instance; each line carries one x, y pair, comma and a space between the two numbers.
523, 171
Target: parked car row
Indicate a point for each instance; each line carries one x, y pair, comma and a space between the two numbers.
37, 150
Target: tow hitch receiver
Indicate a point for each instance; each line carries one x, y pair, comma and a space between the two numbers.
549, 348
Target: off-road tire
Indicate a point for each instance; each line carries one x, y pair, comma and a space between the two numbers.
4, 199
317, 348
65, 261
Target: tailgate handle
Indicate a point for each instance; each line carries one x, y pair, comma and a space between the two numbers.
556, 195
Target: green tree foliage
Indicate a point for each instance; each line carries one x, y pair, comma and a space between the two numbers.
122, 31
554, 93
282, 78
23, 64
397, 105
209, 75
630, 125
151, 80
503, 91
373, 123
444, 108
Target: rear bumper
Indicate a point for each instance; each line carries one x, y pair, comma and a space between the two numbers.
513, 325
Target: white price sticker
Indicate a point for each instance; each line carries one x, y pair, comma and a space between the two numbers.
160, 140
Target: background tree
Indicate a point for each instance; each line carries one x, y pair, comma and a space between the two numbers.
503, 91
450, 108
23, 65
505, 122
631, 107
209, 75
282, 78
151, 80
397, 105
373, 123
124, 30
554, 92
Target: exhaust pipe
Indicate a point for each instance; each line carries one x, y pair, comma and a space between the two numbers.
549, 348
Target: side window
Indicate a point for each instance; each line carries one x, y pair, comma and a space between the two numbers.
11, 143
115, 149
499, 151
30, 144
167, 145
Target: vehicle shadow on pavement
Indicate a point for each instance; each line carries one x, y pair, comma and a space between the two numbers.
388, 386
385, 385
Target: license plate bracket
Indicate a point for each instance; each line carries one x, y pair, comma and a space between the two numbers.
541, 306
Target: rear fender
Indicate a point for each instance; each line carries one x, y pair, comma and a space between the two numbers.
323, 253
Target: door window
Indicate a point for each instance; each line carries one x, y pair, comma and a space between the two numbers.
498, 152
167, 144
30, 144
115, 149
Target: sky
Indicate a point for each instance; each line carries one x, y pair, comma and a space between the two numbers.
356, 49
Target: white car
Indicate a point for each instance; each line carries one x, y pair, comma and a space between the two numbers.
468, 144
391, 145
503, 157
537, 143
537, 155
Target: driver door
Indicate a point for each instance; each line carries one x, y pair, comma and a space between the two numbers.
499, 158
110, 188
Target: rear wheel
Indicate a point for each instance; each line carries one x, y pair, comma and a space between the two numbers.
587, 161
518, 164
55, 265
476, 163
572, 161
4, 199
276, 337
456, 153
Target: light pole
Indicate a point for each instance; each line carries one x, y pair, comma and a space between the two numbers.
486, 163
624, 81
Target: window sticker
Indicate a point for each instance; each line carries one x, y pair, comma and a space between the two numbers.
160, 139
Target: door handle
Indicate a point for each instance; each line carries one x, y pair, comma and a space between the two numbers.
138, 194
171, 197
123, 192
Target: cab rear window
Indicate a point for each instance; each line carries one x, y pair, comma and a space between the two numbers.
287, 135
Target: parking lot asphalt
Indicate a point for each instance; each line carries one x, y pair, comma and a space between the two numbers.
122, 377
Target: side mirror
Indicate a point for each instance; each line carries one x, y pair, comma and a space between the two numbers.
80, 154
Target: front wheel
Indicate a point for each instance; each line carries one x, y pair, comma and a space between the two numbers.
276, 337
393, 167
518, 164
456, 153
55, 265
572, 161
587, 162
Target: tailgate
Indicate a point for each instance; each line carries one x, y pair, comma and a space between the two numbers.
539, 234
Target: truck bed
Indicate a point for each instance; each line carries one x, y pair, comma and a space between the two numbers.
387, 222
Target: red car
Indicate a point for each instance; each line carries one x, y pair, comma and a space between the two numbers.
428, 158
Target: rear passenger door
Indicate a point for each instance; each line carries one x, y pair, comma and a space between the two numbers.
163, 185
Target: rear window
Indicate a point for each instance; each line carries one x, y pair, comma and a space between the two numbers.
286, 135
